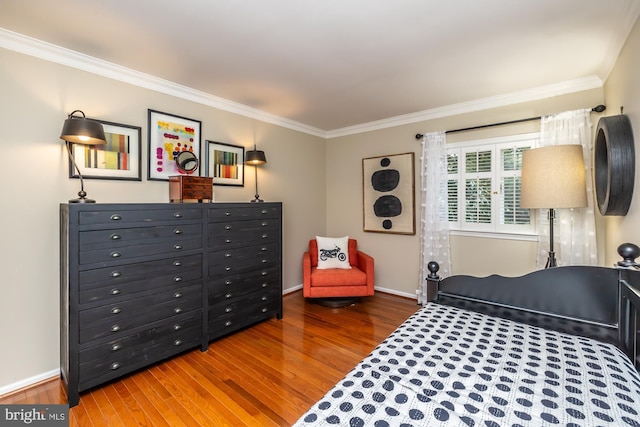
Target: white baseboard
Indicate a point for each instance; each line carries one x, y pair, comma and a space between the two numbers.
293, 289
9, 388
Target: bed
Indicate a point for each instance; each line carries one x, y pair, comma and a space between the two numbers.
555, 347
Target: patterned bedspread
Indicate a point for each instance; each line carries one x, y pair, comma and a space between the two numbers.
449, 367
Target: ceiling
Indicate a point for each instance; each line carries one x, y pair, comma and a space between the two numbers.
334, 64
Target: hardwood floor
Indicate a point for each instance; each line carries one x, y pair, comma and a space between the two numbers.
266, 375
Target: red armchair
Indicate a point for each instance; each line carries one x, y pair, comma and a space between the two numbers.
336, 282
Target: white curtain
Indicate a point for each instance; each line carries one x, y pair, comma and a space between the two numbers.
574, 229
434, 209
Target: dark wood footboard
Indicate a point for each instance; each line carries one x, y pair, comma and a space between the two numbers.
577, 300
630, 315
596, 302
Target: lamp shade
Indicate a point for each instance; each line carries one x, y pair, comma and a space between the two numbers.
553, 177
79, 130
255, 157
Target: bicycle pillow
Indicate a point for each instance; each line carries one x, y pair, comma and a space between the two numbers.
333, 252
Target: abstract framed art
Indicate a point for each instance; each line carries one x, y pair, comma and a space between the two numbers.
225, 163
388, 187
120, 158
169, 135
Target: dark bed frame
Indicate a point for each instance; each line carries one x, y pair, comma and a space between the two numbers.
596, 302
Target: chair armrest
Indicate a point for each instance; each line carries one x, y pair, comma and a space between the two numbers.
366, 264
306, 270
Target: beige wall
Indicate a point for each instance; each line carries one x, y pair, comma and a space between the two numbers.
36, 97
397, 256
622, 89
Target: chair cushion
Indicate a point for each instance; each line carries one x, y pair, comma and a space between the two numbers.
333, 252
338, 277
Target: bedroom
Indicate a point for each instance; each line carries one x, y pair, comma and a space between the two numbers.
47, 91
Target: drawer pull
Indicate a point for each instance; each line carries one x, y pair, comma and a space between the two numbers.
228, 282
116, 254
177, 247
265, 309
227, 268
177, 327
177, 295
115, 237
177, 279
264, 261
177, 342
114, 366
263, 249
264, 224
227, 227
116, 217
116, 274
228, 323
227, 240
265, 284
116, 347
264, 273
177, 310
264, 212
115, 328
264, 298
177, 231
228, 295
115, 291
177, 263
227, 213
228, 309
177, 215
227, 255
265, 236
116, 310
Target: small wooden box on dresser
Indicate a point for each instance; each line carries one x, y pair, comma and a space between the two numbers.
144, 282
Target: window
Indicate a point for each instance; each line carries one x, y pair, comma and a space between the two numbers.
484, 185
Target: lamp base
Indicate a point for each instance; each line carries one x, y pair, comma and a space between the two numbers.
82, 198
82, 201
257, 200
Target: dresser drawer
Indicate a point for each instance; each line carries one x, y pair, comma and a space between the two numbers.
118, 318
227, 234
121, 215
125, 253
244, 311
160, 340
244, 259
119, 237
243, 212
234, 287
124, 281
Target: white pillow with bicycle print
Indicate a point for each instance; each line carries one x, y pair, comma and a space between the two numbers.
333, 252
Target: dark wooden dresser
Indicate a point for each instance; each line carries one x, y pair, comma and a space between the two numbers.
144, 282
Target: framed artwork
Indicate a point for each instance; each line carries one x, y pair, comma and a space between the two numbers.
169, 135
388, 186
119, 158
225, 163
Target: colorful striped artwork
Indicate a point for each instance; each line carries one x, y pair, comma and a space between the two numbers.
114, 155
226, 164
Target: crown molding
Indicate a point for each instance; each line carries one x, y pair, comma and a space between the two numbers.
53, 53
513, 98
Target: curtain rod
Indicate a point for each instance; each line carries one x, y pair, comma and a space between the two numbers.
598, 109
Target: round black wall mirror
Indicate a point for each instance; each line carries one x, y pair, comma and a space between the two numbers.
187, 162
614, 165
